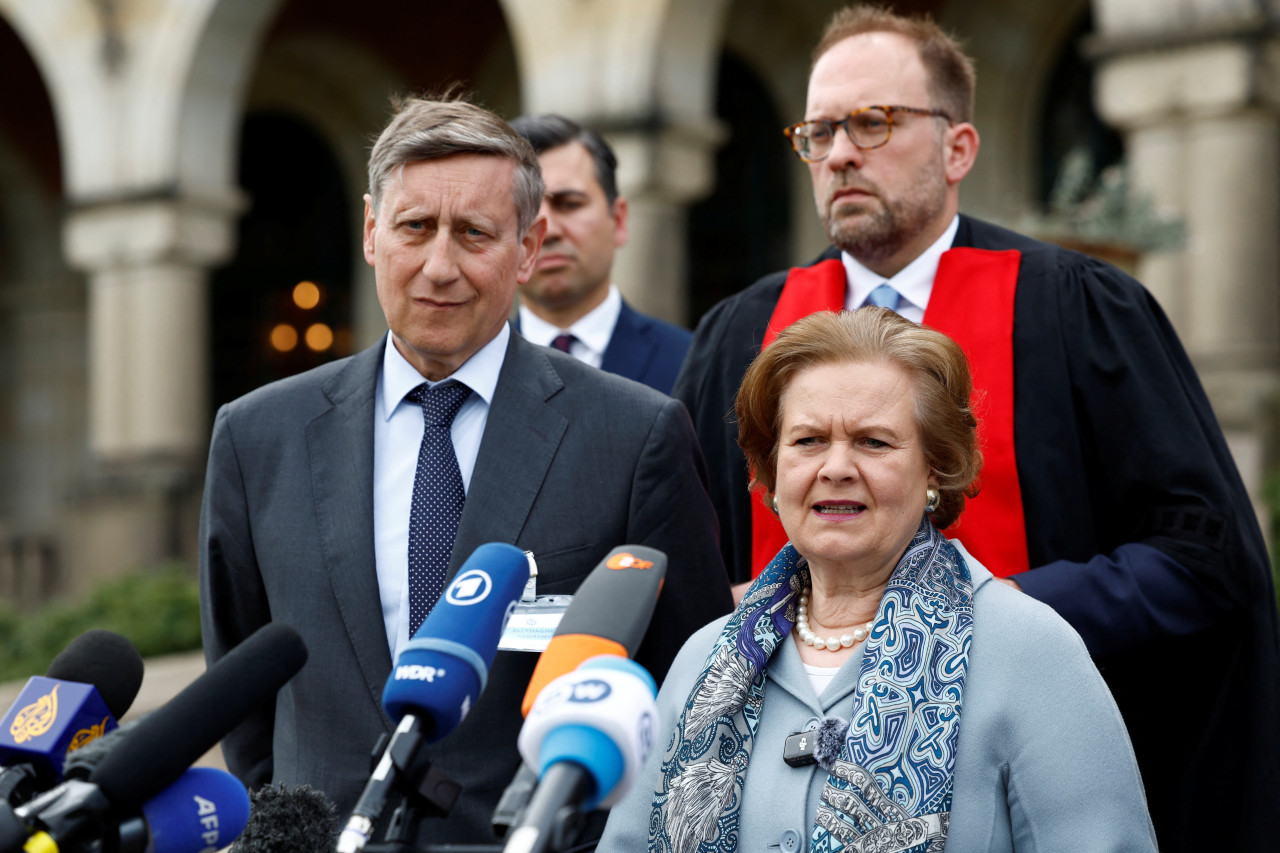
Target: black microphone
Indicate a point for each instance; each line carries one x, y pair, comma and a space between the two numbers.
438, 676
284, 819
155, 753
108, 661
90, 684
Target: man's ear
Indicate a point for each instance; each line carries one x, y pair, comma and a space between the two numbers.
961, 151
369, 224
620, 229
530, 245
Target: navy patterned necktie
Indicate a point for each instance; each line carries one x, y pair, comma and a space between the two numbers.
562, 341
885, 297
437, 498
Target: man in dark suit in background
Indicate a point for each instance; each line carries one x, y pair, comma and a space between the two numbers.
332, 497
570, 301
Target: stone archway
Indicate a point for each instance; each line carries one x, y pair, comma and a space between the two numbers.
41, 335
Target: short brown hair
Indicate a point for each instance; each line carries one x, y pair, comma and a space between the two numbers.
942, 390
950, 69
431, 129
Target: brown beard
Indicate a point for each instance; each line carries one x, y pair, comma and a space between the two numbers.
878, 234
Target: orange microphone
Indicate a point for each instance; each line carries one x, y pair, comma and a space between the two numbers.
609, 615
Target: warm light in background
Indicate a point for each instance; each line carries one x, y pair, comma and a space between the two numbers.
284, 337
306, 295
319, 337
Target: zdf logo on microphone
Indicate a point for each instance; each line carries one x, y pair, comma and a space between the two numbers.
627, 561
471, 587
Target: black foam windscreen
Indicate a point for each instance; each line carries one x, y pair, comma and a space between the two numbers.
168, 740
106, 660
285, 819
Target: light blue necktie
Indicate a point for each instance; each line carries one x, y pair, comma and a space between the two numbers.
884, 296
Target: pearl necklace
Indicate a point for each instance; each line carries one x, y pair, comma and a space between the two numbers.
833, 644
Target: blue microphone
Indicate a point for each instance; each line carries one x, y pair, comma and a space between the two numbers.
439, 674
88, 685
205, 809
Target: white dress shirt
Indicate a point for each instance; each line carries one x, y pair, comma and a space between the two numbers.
914, 282
591, 333
397, 435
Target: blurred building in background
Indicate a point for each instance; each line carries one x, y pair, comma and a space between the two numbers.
181, 183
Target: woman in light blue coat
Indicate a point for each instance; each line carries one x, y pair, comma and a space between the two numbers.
877, 689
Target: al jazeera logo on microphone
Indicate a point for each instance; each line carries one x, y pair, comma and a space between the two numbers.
35, 719
53, 717
38, 718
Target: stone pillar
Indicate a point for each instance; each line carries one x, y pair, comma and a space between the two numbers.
146, 260
1193, 94
660, 172
642, 73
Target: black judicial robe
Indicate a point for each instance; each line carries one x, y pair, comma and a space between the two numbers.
1139, 529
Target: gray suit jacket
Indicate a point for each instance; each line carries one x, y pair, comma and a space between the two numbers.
573, 462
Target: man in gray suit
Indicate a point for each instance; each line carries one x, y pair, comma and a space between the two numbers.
311, 480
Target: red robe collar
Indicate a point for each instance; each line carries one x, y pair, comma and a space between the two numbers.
972, 302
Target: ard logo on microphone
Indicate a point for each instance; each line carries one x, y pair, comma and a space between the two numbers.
35, 719
627, 561
470, 587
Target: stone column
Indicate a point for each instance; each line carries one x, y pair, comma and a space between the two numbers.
146, 259
1194, 98
660, 171
642, 73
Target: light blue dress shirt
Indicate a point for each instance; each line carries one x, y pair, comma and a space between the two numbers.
397, 435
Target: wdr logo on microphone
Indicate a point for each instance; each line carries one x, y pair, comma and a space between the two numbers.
470, 587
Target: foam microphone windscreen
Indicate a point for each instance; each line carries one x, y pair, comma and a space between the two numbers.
108, 661
609, 615
171, 738
284, 819
440, 672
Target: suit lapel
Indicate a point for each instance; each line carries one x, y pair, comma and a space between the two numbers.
340, 448
631, 347
520, 441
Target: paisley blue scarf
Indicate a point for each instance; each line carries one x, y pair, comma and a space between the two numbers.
890, 789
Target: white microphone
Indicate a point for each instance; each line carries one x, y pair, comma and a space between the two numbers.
588, 735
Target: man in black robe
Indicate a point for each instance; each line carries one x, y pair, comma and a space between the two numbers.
1120, 504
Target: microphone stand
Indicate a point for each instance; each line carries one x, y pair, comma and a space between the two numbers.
426, 792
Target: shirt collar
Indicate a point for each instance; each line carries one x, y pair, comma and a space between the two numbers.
479, 373
593, 329
914, 282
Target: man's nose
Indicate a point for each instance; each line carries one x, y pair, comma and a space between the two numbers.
844, 154
440, 266
554, 228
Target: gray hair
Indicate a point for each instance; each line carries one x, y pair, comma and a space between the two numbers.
425, 129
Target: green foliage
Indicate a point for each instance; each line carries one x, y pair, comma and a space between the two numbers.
158, 609
1102, 208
